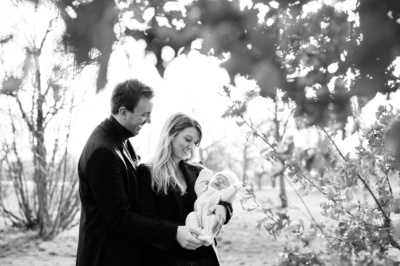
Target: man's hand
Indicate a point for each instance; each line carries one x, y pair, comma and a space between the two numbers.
220, 217
186, 237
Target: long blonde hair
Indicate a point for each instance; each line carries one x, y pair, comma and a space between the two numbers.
162, 166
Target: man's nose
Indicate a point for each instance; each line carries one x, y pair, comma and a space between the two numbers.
148, 119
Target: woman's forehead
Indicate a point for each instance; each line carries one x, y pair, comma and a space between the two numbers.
190, 131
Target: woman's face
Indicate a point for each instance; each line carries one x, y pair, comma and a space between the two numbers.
184, 143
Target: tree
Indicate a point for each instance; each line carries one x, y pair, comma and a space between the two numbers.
277, 145
321, 55
38, 176
296, 46
364, 226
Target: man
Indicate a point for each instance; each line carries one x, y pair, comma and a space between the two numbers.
111, 232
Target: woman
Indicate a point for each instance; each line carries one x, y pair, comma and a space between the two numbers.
167, 190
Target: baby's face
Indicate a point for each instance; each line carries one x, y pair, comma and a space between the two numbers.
219, 182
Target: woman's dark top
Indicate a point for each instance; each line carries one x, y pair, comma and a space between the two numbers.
173, 208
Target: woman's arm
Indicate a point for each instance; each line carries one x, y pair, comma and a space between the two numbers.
148, 207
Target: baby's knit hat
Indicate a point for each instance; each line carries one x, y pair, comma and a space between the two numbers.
232, 177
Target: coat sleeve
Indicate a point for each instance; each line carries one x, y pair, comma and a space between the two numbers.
105, 173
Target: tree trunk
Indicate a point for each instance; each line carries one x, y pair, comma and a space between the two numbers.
273, 182
40, 159
282, 193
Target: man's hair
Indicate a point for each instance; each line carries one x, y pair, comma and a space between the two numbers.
128, 93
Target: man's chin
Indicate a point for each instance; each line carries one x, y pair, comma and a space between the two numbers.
137, 132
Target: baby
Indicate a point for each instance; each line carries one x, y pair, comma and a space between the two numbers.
210, 190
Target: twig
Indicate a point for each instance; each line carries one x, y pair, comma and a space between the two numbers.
387, 219
308, 210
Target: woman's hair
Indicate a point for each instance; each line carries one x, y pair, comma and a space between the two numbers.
162, 166
128, 94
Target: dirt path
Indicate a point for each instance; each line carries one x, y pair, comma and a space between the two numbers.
239, 243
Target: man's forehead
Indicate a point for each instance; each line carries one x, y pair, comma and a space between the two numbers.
144, 105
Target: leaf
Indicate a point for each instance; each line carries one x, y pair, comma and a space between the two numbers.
261, 223
234, 111
227, 91
269, 77
240, 123
11, 85
6, 39
93, 27
330, 194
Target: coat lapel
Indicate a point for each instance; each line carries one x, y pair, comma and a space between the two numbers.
126, 157
190, 178
130, 155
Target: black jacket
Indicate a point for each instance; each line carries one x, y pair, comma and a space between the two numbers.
168, 208
111, 232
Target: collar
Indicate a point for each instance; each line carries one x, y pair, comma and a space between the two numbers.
122, 132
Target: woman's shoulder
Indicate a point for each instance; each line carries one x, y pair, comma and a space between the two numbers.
196, 166
144, 168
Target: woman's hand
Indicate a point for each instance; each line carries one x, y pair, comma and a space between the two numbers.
186, 237
220, 217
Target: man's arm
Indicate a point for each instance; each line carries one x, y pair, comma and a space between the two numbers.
105, 177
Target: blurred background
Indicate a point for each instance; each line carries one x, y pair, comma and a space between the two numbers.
298, 98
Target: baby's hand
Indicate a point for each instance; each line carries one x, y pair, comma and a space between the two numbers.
238, 185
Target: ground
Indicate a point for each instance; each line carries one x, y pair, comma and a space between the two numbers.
239, 243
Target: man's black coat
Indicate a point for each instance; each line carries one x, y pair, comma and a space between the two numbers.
111, 232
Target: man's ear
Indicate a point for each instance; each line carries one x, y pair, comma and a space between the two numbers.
122, 111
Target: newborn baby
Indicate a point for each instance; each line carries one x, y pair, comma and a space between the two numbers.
210, 190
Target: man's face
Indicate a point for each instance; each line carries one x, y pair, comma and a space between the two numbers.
219, 182
140, 116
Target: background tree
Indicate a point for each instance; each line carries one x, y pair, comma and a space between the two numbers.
297, 46
271, 128
321, 55
38, 177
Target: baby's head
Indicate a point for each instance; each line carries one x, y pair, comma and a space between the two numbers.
223, 179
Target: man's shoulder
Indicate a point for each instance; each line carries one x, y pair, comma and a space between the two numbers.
99, 140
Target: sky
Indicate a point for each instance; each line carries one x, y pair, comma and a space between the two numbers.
192, 84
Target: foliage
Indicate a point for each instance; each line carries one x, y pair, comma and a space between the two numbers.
38, 183
360, 199
305, 48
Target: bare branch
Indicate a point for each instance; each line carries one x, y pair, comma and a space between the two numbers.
386, 217
49, 29
25, 117
308, 210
